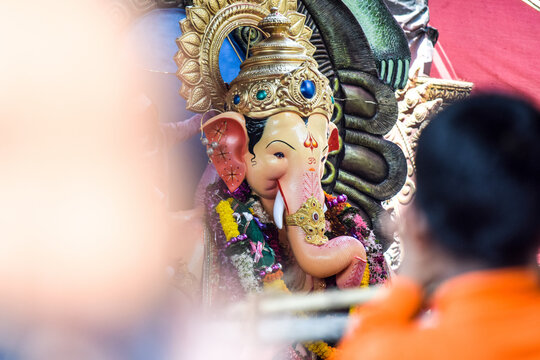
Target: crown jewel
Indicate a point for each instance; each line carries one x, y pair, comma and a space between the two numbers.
279, 76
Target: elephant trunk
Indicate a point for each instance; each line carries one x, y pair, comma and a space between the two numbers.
343, 256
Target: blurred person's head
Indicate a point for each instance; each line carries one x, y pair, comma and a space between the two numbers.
478, 183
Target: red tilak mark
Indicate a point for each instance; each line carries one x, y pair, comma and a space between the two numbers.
283, 196
310, 142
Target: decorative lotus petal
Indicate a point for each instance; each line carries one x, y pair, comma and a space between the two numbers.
190, 43
199, 18
185, 91
307, 32
186, 27
199, 101
190, 72
297, 23
216, 5
310, 48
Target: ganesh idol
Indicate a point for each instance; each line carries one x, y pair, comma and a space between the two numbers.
269, 224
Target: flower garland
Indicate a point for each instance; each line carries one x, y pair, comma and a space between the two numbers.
365, 278
246, 246
228, 223
343, 219
245, 266
322, 350
251, 243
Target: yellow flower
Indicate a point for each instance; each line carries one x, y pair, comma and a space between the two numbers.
228, 223
277, 285
365, 278
321, 349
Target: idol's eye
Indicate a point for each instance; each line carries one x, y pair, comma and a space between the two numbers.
279, 155
323, 159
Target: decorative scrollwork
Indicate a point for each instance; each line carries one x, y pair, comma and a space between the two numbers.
310, 217
418, 103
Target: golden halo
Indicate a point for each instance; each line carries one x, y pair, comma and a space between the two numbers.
206, 26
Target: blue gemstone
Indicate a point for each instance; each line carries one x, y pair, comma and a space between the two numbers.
307, 88
236, 99
333, 101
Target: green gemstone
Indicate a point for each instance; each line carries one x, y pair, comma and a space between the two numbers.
261, 95
333, 101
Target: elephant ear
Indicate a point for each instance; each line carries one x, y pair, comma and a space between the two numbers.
333, 140
227, 141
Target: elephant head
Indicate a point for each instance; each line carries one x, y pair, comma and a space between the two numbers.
282, 158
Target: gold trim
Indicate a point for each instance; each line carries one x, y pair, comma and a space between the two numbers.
447, 90
310, 217
206, 26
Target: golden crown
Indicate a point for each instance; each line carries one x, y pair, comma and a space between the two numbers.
281, 75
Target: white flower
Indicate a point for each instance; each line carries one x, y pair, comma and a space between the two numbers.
245, 266
248, 216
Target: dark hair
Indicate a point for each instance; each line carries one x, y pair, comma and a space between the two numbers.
255, 129
478, 179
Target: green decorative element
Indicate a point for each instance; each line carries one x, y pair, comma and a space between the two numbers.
386, 109
338, 113
399, 73
329, 175
336, 86
390, 71
394, 160
382, 70
386, 39
343, 39
254, 234
261, 95
338, 110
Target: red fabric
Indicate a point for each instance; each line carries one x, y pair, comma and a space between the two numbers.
494, 44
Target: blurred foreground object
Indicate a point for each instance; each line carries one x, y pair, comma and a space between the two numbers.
82, 247
264, 325
471, 239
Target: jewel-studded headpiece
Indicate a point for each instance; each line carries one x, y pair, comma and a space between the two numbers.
281, 75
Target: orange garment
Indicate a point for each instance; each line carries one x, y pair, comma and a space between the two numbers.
480, 315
